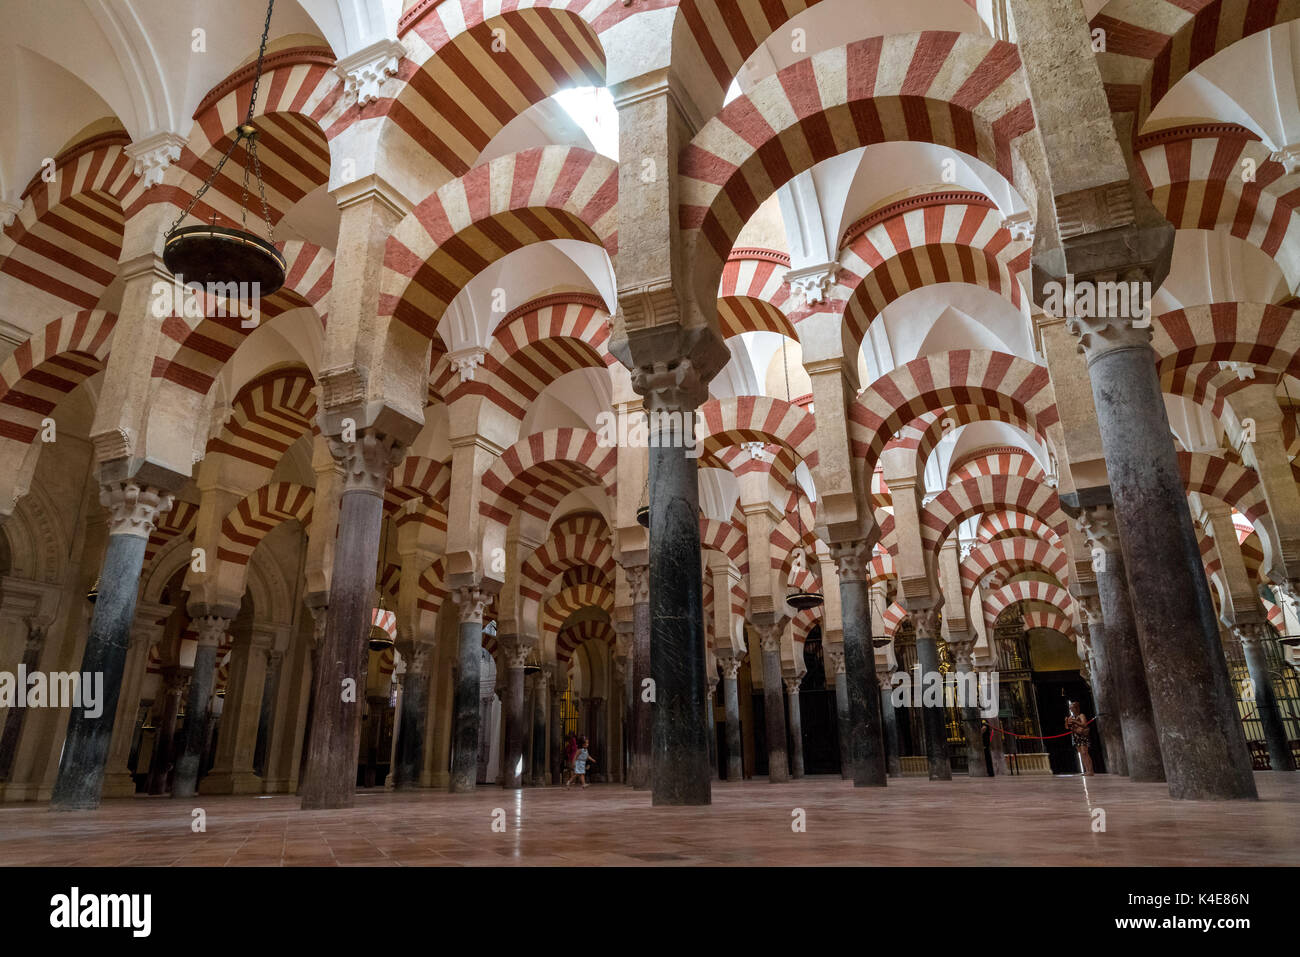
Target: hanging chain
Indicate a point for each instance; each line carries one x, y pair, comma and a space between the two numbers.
239, 136
798, 513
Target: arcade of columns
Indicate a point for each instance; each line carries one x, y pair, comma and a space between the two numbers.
526, 541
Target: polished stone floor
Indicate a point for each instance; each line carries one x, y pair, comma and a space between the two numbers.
1021, 820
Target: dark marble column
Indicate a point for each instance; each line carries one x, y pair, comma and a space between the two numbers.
1201, 739
465, 717
512, 771
679, 754
960, 647
266, 715
160, 768
541, 704
198, 708
558, 684
339, 683
415, 712
1104, 699
711, 729
796, 725
13, 727
866, 745
638, 579
1123, 649
1252, 638
319, 615
835, 670
133, 510
731, 704
926, 623
889, 721
997, 743
778, 762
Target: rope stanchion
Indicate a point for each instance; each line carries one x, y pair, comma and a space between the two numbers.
1037, 737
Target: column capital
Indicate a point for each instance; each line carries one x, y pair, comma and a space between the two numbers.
1251, 634
837, 662
961, 648
1097, 525
713, 684
211, 629
666, 387
769, 637
851, 559
516, 653
367, 460
471, 600
1091, 608
792, 684
926, 622
885, 677
730, 667
133, 508
638, 580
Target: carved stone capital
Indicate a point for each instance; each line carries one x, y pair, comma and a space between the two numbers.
212, 629
418, 664
851, 560
885, 678
9, 210
1020, 226
1091, 607
470, 601
769, 638
367, 461
730, 668
1097, 524
836, 659
133, 509
670, 388
792, 684
516, 653
713, 685
465, 361
1251, 634
154, 154
364, 72
812, 284
638, 580
926, 622
961, 650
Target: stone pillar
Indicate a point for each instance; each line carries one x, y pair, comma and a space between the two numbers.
731, 703
796, 725
1104, 696
415, 711
926, 623
13, 724
960, 647
541, 700
866, 745
339, 682
711, 729
778, 764
174, 680
1252, 636
638, 579
1123, 648
557, 726
212, 629
266, 715
133, 510
232, 771
996, 743
118, 779
889, 720
464, 759
516, 656
835, 668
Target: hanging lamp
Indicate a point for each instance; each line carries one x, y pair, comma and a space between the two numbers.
210, 253
797, 599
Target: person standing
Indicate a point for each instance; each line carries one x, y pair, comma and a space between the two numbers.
580, 762
1076, 722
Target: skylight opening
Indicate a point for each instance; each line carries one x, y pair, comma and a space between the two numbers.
592, 108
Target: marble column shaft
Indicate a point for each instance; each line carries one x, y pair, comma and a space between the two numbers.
465, 715
1104, 695
1275, 737
796, 727
778, 762
970, 716
889, 721
415, 712
835, 660
638, 577
185, 780
13, 723
731, 703
932, 717
513, 772
866, 744
164, 742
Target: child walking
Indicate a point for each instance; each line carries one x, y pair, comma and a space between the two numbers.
580, 762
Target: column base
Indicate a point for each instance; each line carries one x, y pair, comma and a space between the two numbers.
231, 782
119, 784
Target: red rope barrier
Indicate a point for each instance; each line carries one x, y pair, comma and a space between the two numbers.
1037, 737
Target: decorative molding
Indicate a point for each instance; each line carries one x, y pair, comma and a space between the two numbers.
813, 284
367, 461
133, 509
273, 61
759, 254
212, 630
1288, 156
9, 210
638, 580
364, 71
851, 560
1192, 131
154, 154
889, 211
470, 601
465, 361
1020, 226
1094, 210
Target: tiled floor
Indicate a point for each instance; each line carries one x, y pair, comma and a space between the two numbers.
914, 821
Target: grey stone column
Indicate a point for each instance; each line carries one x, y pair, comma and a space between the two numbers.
1142, 749
13, 726
541, 701
731, 704
133, 510
557, 725
835, 668
465, 715
889, 720
319, 615
960, 647
997, 745
1201, 738
516, 656
163, 756
796, 725
778, 762
638, 579
866, 745
1105, 700
926, 623
212, 629
339, 682
710, 728
1252, 643
266, 715
415, 712
679, 752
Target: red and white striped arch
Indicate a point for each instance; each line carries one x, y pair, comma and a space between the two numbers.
472, 68
894, 616
540, 194
177, 522
988, 493
249, 522
1016, 554
730, 422
557, 609
991, 380
996, 602
1259, 334
571, 638
925, 431
1231, 484
881, 568
1051, 620
1152, 44
1007, 523
951, 242
1000, 461
268, 415
753, 295
961, 91
425, 482
67, 237
433, 588
581, 540
537, 472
